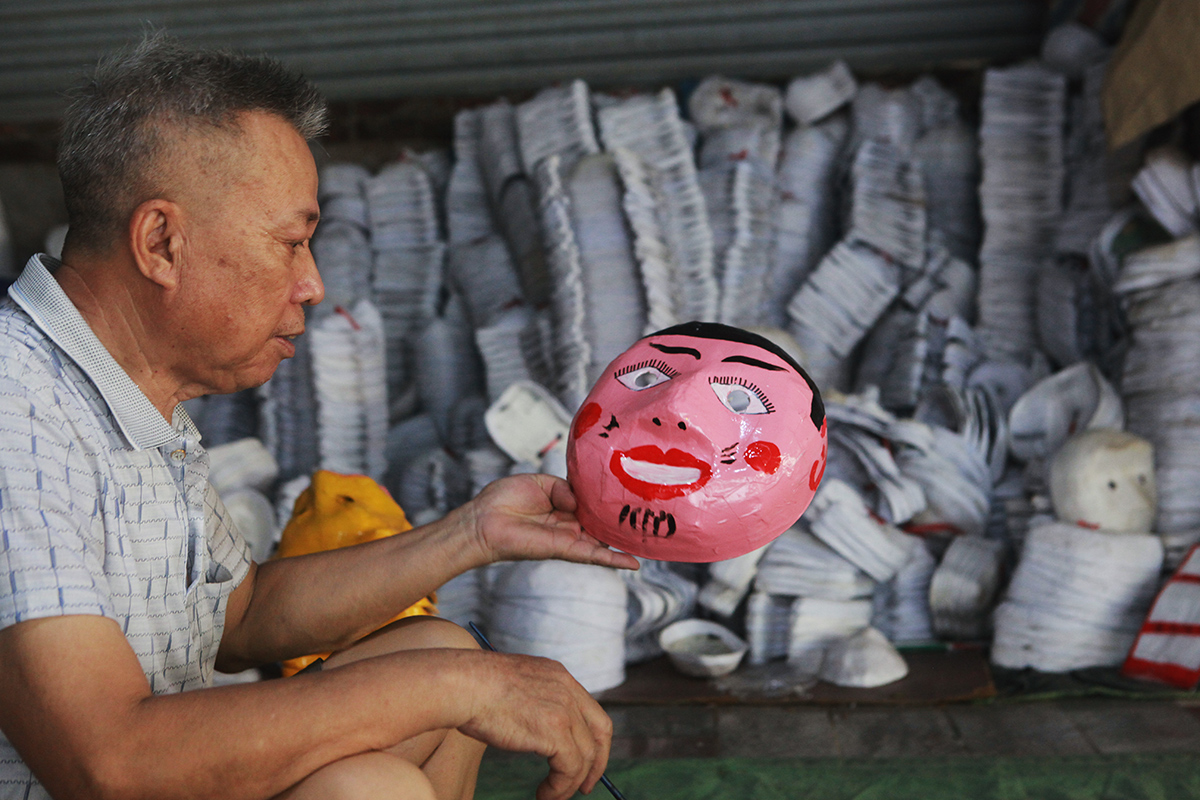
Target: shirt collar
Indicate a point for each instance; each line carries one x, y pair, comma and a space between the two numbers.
44, 301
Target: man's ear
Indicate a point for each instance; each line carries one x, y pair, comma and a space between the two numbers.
156, 241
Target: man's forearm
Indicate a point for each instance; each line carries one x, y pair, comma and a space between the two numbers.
326, 601
108, 737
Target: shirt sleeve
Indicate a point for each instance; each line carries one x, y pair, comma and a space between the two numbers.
51, 556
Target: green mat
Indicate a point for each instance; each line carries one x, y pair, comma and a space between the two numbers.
1133, 777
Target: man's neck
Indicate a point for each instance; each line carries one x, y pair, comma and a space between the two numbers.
104, 294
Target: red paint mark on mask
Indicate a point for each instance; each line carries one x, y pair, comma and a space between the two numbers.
763, 456
818, 468
588, 416
649, 454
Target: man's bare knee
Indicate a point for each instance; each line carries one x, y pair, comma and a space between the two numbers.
422, 633
373, 776
410, 633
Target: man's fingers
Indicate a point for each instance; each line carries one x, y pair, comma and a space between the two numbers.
589, 550
603, 743
580, 762
562, 497
567, 774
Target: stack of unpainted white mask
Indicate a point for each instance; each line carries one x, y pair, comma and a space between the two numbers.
798, 564
1085, 581
860, 453
962, 590
1071, 400
767, 626
1021, 147
341, 247
341, 244
1161, 286
835, 308
449, 371
349, 377
729, 581
556, 121
512, 197
813, 592
1093, 192
740, 126
901, 606
923, 342
573, 613
654, 154
288, 414
806, 217
1165, 187
953, 473
409, 255
947, 155
888, 208
590, 263
597, 305
468, 216
658, 596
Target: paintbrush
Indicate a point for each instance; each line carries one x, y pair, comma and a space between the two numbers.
603, 778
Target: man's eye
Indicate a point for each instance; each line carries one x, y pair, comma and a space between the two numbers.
741, 399
643, 378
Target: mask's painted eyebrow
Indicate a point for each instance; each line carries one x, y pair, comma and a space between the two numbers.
754, 362
678, 351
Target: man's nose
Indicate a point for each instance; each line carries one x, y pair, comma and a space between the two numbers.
309, 289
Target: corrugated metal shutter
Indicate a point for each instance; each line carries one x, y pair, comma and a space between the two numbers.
380, 49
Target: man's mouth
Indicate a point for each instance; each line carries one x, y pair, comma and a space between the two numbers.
652, 474
289, 343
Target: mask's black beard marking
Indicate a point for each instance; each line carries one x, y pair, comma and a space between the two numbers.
649, 522
729, 454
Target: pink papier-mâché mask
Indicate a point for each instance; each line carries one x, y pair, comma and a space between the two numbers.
700, 443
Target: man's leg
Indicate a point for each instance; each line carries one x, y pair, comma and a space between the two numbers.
367, 776
448, 761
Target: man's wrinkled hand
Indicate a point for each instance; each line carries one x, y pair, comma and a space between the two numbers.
527, 517
533, 705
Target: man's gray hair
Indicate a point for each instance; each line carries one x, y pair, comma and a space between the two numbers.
113, 131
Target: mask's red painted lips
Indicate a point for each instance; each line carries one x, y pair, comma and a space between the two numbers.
652, 474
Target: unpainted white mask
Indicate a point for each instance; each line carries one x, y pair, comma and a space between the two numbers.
1104, 479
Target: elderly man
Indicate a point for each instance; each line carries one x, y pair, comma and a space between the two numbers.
191, 193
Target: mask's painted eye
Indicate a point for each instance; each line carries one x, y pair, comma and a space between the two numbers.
741, 398
644, 375
644, 378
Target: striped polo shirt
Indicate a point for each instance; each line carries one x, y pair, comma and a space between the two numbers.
105, 507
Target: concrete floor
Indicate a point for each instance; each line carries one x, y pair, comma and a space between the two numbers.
1094, 726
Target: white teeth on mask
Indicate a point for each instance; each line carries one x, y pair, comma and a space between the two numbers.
662, 474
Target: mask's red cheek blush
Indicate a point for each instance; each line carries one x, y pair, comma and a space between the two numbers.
588, 416
763, 456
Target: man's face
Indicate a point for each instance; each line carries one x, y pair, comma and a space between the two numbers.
695, 449
250, 207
